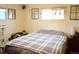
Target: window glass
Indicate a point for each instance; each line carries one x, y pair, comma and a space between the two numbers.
2, 14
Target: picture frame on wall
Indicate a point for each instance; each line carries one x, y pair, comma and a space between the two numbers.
11, 14
35, 13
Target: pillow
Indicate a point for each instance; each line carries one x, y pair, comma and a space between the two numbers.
54, 32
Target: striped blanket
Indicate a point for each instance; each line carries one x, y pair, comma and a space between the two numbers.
41, 42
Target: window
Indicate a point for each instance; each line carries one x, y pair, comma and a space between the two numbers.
3, 14
35, 13
11, 14
74, 12
7, 14
47, 14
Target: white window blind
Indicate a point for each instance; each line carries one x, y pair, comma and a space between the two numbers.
52, 14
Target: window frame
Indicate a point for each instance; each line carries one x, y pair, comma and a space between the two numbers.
74, 14
13, 11
35, 12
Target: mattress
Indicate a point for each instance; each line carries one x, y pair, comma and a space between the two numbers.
40, 42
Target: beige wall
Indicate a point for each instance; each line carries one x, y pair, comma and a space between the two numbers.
16, 25
65, 25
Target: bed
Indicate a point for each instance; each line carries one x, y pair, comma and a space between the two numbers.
39, 42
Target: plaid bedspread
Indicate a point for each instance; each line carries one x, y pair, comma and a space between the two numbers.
40, 42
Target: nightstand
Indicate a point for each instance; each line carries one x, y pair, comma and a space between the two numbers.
73, 44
